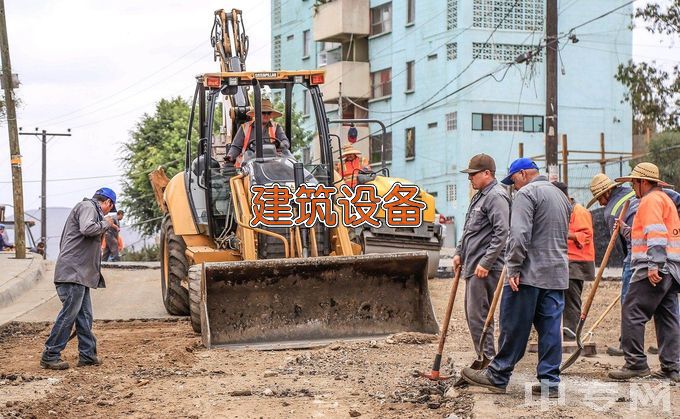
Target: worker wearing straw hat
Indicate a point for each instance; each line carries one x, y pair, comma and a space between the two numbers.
655, 262
352, 164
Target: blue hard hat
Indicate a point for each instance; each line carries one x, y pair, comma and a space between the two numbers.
516, 166
109, 193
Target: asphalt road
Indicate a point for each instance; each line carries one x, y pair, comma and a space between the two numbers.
129, 294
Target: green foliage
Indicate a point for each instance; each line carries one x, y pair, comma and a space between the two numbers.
301, 137
145, 254
653, 92
664, 151
157, 140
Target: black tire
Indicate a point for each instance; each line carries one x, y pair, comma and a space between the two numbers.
174, 270
195, 297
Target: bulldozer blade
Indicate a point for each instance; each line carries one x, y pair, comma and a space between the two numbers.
301, 303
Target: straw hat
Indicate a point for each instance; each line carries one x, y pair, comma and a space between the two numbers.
599, 186
646, 171
349, 150
266, 107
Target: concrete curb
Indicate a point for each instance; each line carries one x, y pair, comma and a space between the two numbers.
131, 265
23, 282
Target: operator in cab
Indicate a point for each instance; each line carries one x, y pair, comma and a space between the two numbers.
271, 131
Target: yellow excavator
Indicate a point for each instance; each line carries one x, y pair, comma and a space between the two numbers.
270, 287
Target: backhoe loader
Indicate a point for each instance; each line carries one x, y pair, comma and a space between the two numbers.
270, 287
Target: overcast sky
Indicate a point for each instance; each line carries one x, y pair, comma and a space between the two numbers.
97, 66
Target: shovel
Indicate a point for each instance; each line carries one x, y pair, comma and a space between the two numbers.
434, 374
482, 361
609, 308
586, 308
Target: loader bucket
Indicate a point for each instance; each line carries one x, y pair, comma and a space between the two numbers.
299, 303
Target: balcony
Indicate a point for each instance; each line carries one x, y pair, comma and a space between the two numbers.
355, 79
339, 20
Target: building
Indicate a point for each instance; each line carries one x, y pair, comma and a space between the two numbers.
391, 58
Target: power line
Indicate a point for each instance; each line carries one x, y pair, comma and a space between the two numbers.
68, 179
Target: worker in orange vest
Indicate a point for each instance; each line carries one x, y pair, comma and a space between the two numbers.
654, 287
271, 131
352, 163
581, 254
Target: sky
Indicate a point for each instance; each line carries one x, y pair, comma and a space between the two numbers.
96, 67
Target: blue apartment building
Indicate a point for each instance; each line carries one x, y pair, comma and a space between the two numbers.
389, 59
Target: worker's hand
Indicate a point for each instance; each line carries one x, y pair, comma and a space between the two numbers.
112, 224
481, 272
456, 262
514, 283
653, 276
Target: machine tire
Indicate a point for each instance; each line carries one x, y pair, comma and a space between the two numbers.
195, 297
175, 267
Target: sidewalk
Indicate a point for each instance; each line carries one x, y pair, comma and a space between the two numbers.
18, 275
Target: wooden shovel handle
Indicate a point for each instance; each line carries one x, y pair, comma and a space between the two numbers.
496, 297
449, 309
605, 260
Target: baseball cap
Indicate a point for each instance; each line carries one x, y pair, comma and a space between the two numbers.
479, 163
109, 193
516, 166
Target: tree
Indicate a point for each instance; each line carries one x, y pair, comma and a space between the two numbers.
301, 137
664, 151
654, 92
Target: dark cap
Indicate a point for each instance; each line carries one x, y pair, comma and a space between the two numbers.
479, 163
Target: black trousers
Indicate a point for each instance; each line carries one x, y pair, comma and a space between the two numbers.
572, 307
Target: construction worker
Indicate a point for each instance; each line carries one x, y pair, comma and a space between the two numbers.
655, 262
77, 270
481, 249
538, 273
111, 241
581, 254
270, 131
352, 164
612, 195
5, 244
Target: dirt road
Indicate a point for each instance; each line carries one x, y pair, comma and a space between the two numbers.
158, 369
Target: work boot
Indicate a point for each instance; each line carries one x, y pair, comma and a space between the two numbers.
653, 350
57, 364
88, 362
553, 392
614, 351
481, 379
674, 376
627, 373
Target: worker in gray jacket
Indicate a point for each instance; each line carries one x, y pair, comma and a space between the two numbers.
538, 273
77, 270
481, 249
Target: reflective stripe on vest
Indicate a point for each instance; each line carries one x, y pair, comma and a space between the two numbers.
623, 199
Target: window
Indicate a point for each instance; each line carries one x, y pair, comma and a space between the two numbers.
381, 19
410, 11
306, 103
503, 122
410, 76
306, 43
376, 148
276, 12
502, 52
290, 37
532, 123
307, 155
276, 53
410, 146
381, 83
432, 125
451, 121
452, 51
329, 53
525, 15
451, 14
451, 193
482, 122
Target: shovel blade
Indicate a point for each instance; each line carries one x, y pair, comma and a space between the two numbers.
477, 364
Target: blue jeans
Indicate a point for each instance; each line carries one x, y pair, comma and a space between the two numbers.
625, 281
77, 308
519, 310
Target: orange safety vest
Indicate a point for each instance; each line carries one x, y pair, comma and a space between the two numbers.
247, 129
581, 224
350, 169
655, 236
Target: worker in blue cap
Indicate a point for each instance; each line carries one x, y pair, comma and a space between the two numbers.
538, 273
77, 270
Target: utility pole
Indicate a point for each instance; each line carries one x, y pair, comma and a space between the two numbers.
14, 151
43, 195
551, 89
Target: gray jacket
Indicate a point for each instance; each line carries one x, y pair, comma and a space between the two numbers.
486, 230
537, 243
79, 258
